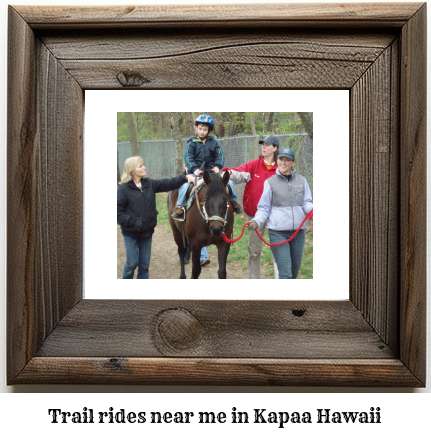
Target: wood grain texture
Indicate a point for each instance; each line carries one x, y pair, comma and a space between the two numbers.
59, 182
246, 59
374, 196
413, 193
287, 15
45, 106
347, 45
234, 329
376, 338
21, 196
197, 371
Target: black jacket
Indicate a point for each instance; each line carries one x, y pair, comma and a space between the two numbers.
198, 152
136, 208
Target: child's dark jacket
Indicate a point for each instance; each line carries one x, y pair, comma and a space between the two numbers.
198, 152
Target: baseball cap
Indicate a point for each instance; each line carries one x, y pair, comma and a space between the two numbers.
286, 152
271, 139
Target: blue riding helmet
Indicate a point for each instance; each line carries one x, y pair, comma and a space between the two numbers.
205, 119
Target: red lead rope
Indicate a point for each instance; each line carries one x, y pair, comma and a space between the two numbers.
308, 216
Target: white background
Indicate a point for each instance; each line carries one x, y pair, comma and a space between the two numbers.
330, 194
400, 410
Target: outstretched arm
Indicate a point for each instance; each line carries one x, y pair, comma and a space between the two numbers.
239, 177
168, 184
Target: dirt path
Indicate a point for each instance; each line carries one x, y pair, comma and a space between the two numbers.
165, 261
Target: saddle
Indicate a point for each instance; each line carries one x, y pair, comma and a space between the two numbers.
190, 194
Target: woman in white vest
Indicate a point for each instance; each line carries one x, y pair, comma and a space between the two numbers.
285, 201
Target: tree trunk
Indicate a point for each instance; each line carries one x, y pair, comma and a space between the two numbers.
176, 121
132, 133
219, 128
307, 121
306, 148
190, 124
253, 124
267, 120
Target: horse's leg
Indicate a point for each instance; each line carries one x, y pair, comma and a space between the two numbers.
178, 237
177, 232
196, 260
223, 251
182, 253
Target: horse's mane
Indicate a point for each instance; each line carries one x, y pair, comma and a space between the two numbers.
216, 186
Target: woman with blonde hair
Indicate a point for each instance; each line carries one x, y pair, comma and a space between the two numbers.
137, 213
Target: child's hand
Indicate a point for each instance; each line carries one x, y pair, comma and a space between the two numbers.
197, 172
216, 170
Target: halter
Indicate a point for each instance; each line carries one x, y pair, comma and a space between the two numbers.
204, 214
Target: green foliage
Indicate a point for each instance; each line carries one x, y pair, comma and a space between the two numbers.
157, 125
283, 123
291, 124
122, 130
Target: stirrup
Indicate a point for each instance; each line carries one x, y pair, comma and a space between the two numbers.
177, 217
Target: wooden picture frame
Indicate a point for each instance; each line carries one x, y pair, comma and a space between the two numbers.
376, 338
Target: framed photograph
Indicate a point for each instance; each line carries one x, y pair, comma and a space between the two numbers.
157, 148
376, 337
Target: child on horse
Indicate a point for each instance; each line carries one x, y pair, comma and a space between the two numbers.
203, 152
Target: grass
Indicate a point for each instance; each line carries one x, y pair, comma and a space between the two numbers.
162, 208
238, 251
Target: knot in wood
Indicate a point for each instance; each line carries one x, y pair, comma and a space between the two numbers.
178, 329
298, 312
115, 363
131, 79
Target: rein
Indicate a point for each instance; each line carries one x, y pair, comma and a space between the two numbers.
308, 216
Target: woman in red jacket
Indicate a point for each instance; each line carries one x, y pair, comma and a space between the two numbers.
254, 173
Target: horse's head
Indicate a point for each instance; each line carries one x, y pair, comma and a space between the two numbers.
216, 202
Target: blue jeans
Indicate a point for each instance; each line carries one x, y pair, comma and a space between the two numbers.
182, 194
138, 253
183, 189
288, 256
232, 186
204, 253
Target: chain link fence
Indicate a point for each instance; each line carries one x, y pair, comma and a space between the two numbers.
159, 155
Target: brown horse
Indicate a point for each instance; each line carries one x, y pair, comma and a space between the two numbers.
205, 223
